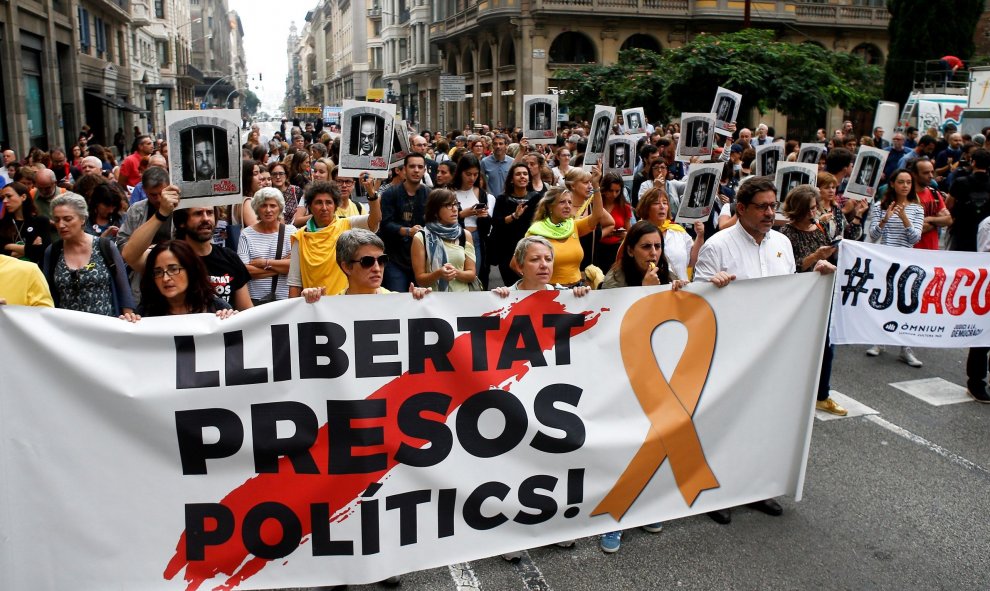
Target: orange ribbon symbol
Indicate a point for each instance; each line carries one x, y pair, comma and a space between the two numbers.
669, 404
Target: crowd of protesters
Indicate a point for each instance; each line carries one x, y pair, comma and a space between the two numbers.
78, 231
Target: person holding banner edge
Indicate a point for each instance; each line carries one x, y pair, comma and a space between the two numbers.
812, 243
897, 220
750, 249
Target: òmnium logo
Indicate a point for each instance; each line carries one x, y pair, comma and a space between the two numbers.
890, 326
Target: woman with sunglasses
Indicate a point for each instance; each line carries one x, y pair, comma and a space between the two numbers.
443, 253
313, 260
360, 255
175, 282
85, 273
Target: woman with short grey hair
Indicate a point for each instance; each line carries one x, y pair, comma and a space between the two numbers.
84, 272
361, 257
265, 247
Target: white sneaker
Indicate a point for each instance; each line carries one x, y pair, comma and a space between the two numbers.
907, 356
874, 351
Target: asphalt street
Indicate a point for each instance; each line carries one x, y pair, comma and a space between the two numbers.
892, 500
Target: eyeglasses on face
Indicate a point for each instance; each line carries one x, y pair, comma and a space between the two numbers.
369, 261
764, 206
170, 270
274, 174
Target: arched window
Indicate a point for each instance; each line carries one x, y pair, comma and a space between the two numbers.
467, 62
641, 41
485, 57
507, 55
572, 48
870, 53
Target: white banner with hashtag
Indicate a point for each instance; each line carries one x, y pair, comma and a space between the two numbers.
904, 296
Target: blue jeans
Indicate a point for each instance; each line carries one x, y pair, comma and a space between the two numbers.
397, 278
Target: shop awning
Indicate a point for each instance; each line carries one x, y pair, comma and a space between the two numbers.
116, 103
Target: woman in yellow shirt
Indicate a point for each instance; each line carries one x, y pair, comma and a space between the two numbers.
555, 220
314, 248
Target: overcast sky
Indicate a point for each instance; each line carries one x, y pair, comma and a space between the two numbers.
266, 28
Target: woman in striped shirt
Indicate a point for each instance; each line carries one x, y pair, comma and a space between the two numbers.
897, 221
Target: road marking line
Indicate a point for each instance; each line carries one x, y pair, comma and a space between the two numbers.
530, 573
934, 447
934, 391
464, 577
855, 408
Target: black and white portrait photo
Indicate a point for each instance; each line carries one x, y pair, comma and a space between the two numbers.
600, 128
203, 161
700, 191
865, 177
206, 149
619, 157
367, 135
698, 136
367, 138
539, 114
634, 120
540, 118
868, 171
725, 109
767, 158
697, 133
793, 174
811, 153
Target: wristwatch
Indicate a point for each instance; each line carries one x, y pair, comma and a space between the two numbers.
161, 218
373, 198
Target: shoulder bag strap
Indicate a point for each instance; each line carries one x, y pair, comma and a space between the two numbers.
278, 257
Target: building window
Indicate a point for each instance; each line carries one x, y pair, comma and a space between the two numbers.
159, 9
84, 39
101, 37
161, 49
35, 102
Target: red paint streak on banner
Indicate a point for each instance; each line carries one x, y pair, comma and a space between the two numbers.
299, 491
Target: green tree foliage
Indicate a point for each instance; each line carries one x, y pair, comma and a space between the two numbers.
251, 103
791, 78
921, 31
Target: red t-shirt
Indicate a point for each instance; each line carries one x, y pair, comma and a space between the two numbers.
129, 170
933, 204
620, 214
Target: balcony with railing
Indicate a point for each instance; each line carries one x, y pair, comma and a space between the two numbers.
862, 14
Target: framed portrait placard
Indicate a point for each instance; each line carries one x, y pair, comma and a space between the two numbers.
792, 174
634, 121
620, 156
811, 153
865, 177
767, 157
540, 118
601, 128
697, 136
367, 137
206, 156
725, 108
700, 192
400, 143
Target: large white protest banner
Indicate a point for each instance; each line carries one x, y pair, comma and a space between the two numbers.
299, 445
911, 297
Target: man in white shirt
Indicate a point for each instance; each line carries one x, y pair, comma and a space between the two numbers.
750, 249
